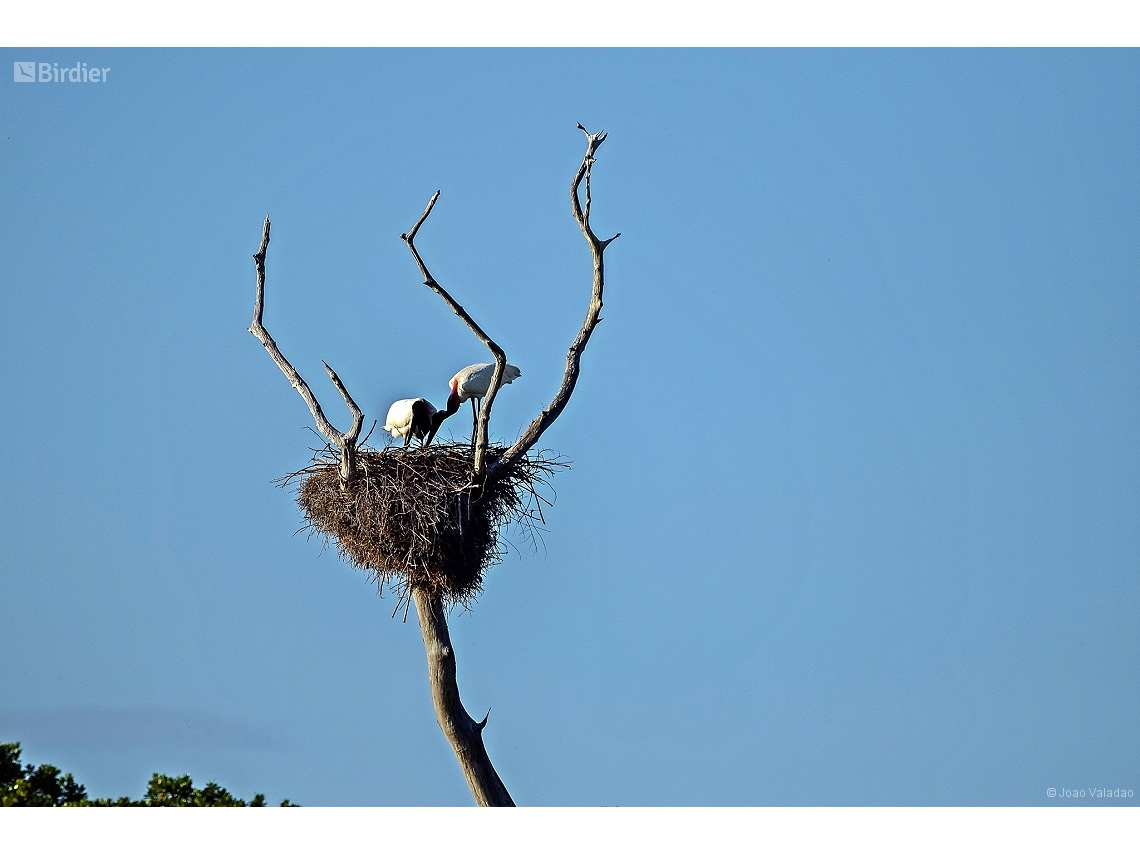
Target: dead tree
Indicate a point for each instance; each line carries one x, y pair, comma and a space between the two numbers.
435, 553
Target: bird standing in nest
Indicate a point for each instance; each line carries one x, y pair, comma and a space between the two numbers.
417, 418
473, 381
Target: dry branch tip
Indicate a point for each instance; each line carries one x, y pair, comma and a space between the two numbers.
408, 237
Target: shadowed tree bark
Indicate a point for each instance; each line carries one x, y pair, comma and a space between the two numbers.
463, 732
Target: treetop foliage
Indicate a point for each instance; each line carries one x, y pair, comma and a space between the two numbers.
47, 786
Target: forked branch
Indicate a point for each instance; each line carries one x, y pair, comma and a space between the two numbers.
593, 314
481, 429
346, 442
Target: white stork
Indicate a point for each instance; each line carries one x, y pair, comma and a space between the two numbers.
417, 418
473, 381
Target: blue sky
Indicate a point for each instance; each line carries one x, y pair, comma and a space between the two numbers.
853, 510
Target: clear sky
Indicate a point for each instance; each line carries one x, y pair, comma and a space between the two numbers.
853, 513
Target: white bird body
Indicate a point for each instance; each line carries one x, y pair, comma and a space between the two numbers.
417, 418
410, 417
474, 380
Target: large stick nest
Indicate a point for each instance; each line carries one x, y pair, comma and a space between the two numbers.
413, 518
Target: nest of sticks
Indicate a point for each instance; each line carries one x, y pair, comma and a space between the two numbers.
413, 518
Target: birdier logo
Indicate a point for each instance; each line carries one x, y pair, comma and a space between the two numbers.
50, 72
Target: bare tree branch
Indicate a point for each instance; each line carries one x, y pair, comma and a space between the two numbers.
357, 415
593, 315
346, 442
463, 732
481, 430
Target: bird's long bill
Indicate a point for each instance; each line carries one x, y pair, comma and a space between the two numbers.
453, 404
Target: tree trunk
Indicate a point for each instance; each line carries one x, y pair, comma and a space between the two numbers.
463, 732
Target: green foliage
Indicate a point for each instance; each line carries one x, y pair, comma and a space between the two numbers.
45, 786
35, 787
164, 791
